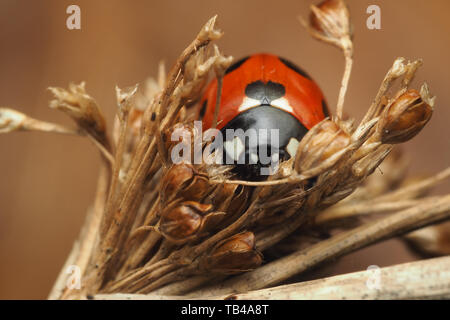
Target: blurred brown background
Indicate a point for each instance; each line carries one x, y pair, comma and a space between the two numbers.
48, 181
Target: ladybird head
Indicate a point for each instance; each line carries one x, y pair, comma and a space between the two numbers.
258, 138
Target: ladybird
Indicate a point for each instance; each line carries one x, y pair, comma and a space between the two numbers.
263, 92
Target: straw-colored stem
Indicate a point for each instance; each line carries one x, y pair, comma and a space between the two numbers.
348, 55
275, 272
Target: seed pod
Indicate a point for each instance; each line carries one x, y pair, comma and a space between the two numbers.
183, 181
330, 21
433, 240
404, 118
181, 134
82, 108
181, 222
233, 255
324, 141
222, 196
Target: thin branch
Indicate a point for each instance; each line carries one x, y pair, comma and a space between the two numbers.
426, 279
275, 272
348, 55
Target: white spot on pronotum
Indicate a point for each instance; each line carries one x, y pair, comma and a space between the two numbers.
253, 158
374, 20
248, 103
292, 147
275, 157
234, 148
282, 104
74, 20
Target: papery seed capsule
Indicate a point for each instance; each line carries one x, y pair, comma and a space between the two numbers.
404, 118
180, 133
181, 222
183, 181
177, 177
235, 254
327, 139
331, 20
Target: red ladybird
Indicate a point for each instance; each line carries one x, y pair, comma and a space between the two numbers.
263, 91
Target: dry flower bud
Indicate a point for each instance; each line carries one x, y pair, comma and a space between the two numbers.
235, 254
197, 69
433, 240
183, 134
180, 223
327, 139
79, 105
209, 32
124, 99
330, 21
405, 117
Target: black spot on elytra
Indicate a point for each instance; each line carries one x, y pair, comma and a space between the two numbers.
325, 110
292, 66
236, 65
203, 109
153, 116
265, 92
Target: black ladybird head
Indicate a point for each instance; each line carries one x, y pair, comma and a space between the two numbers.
258, 138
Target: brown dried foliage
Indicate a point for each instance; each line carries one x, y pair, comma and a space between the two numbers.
160, 227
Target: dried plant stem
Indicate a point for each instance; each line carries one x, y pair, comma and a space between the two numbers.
364, 208
83, 248
103, 150
218, 99
396, 71
13, 120
110, 243
61, 281
416, 189
426, 279
348, 55
134, 296
273, 273
189, 284
273, 235
43, 126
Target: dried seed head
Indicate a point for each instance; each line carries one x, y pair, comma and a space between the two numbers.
183, 181
235, 254
209, 31
405, 117
124, 99
181, 223
327, 139
434, 240
11, 120
330, 21
80, 106
181, 135
178, 176
196, 71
